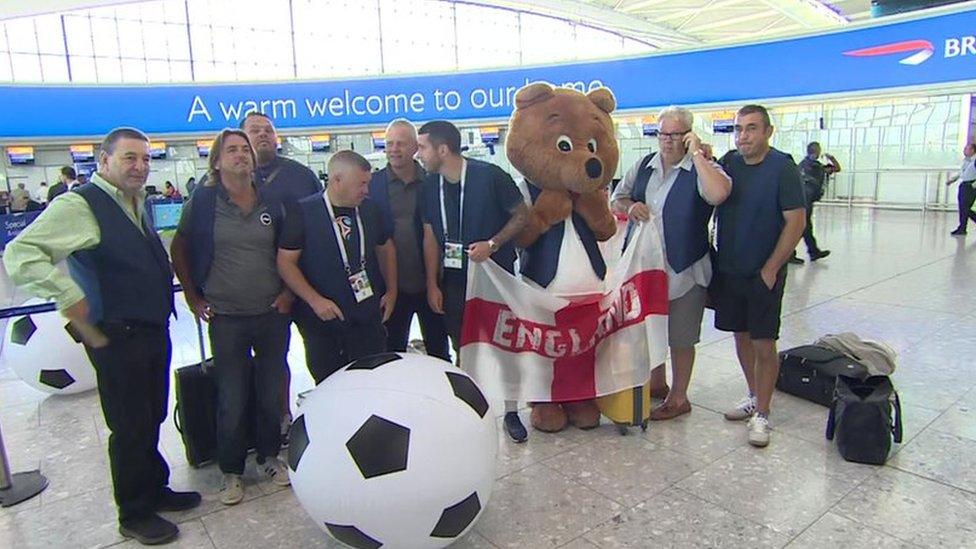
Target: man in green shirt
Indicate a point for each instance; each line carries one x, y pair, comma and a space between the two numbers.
119, 296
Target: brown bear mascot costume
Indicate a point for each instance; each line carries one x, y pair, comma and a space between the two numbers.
563, 142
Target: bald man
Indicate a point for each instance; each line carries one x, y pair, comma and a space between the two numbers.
347, 291
396, 191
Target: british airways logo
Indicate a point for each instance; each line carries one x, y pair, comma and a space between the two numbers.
922, 50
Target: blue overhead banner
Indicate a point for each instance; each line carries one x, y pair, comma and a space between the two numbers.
931, 51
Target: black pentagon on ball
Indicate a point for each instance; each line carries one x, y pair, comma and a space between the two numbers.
379, 447
22, 330
59, 379
372, 362
466, 390
457, 517
297, 442
73, 332
352, 536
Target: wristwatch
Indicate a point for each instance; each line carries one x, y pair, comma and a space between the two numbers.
492, 245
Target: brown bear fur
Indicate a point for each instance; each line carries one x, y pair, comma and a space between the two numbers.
544, 119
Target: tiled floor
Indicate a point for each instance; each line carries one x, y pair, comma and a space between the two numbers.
693, 482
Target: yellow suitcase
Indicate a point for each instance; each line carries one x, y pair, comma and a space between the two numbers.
630, 408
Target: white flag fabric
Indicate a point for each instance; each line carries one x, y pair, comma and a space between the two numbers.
519, 342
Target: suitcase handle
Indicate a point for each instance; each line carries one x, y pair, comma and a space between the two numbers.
203, 356
831, 421
176, 418
896, 425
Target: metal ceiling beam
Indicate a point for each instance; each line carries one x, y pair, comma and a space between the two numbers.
600, 17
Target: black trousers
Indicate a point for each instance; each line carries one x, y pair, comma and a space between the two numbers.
133, 386
232, 339
808, 237
431, 325
454, 290
329, 347
966, 198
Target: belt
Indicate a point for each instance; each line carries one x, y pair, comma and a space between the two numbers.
132, 325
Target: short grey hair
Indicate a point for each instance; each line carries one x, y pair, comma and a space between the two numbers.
680, 114
403, 123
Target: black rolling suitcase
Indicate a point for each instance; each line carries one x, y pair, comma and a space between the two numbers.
810, 372
196, 409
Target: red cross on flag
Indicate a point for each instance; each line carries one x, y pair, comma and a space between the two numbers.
520, 342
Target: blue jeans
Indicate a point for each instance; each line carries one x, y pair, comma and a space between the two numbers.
242, 378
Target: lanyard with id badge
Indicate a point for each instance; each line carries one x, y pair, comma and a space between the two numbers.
362, 288
454, 250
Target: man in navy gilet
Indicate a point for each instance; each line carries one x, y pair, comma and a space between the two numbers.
759, 226
396, 191
472, 210
336, 256
119, 296
677, 187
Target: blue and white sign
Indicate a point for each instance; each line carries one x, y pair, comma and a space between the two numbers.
934, 51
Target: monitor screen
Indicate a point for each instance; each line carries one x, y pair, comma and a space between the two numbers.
490, 135
166, 215
82, 153
157, 150
379, 141
203, 148
20, 155
321, 143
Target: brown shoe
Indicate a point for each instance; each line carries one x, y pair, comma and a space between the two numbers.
667, 411
661, 392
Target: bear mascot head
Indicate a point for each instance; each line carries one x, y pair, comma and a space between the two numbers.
563, 142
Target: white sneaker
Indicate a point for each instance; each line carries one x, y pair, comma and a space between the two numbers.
276, 471
232, 491
743, 410
759, 431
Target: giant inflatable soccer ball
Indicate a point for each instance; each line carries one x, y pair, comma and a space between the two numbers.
46, 354
394, 450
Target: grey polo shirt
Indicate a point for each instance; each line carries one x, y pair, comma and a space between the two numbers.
243, 278
403, 202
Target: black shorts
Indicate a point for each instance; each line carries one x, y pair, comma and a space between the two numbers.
743, 303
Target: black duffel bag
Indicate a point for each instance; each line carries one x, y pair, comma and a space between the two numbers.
810, 372
864, 418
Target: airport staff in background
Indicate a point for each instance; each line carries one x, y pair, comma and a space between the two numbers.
40, 195
122, 284
759, 226
224, 254
814, 176
678, 187
396, 191
472, 210
337, 258
967, 189
19, 198
191, 184
67, 180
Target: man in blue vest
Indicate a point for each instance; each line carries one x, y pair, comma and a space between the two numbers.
224, 254
122, 284
472, 210
677, 187
336, 256
396, 191
759, 226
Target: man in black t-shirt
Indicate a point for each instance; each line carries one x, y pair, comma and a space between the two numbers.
759, 226
814, 175
337, 258
476, 227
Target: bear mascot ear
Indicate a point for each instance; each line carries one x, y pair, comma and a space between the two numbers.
532, 94
603, 98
